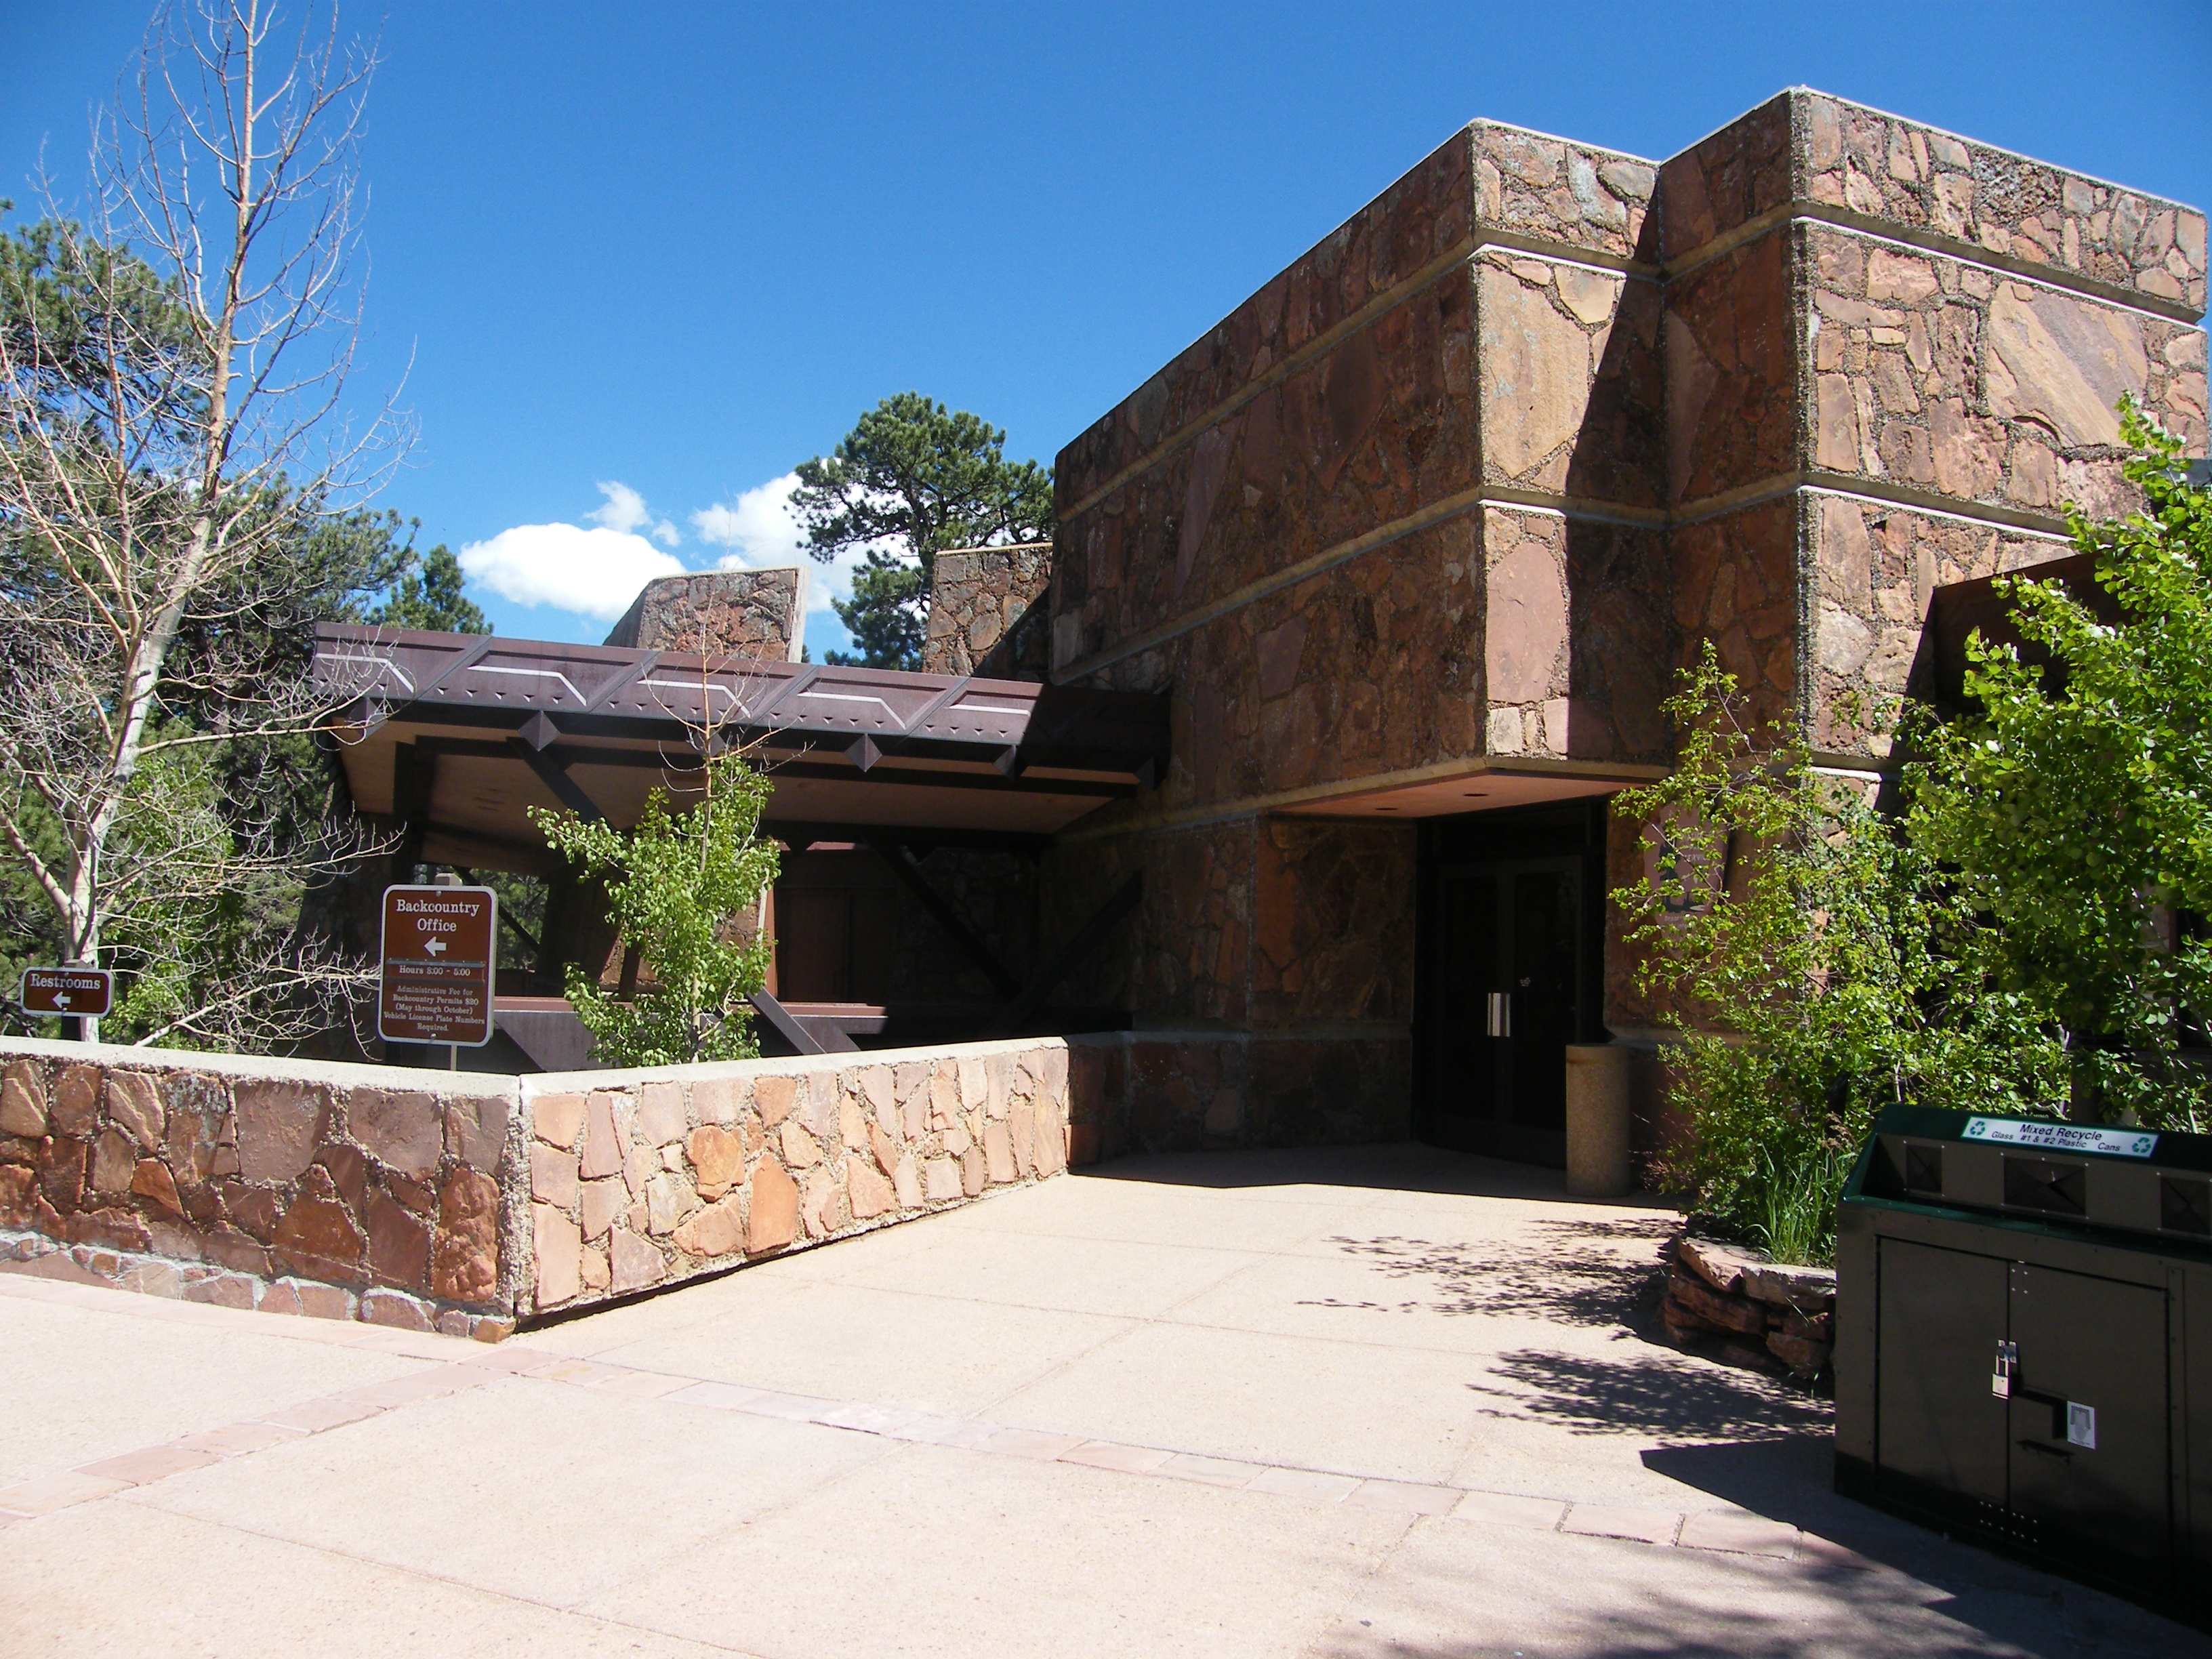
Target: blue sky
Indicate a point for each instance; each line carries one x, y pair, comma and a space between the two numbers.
679, 247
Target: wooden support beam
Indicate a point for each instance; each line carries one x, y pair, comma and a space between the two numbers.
553, 772
1070, 956
780, 1020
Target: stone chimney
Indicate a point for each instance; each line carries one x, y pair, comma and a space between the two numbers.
987, 612
756, 614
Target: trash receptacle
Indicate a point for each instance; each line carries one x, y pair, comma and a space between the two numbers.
2024, 1343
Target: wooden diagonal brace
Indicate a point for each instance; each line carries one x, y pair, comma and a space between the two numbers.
979, 954
1070, 956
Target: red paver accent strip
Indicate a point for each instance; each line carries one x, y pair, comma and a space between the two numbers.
1106, 1454
1405, 1498
889, 1421
1308, 1484
432, 1384
792, 1407
50, 1492
313, 1416
720, 1396
641, 1385
1511, 1509
148, 1463
512, 1357
1211, 1470
926, 1430
236, 1439
574, 1370
1029, 1443
1740, 1535
1604, 1521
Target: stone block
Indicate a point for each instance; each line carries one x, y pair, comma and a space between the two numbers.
195, 1130
73, 1103
398, 1244
998, 1153
635, 1263
814, 1102
602, 1201
906, 1184
349, 1173
114, 1162
23, 1099
716, 1231
943, 1097
395, 1308
598, 1273
773, 1221
717, 1100
317, 1301
798, 1147
821, 1207
400, 1128
602, 1145
668, 1199
476, 1129
317, 1239
151, 1179
153, 1279
640, 1165
172, 1237
718, 1158
224, 1290
239, 1251
661, 1112
1715, 1310
886, 1149
1801, 1353
975, 1083
772, 1098
852, 1124
557, 1120
134, 1102
553, 1177
559, 1248
465, 1253
973, 1175
1719, 1266
942, 1180
18, 1189
876, 1090
279, 1125
866, 1190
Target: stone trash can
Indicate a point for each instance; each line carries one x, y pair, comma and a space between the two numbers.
1597, 1121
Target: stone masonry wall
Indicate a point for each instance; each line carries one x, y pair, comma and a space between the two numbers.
643, 1179
987, 614
1468, 482
295, 1186
755, 614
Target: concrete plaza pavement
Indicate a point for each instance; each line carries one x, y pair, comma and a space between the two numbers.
1356, 1402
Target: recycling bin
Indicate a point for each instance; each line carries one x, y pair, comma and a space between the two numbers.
2024, 1343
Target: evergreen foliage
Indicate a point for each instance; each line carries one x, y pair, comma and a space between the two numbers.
909, 481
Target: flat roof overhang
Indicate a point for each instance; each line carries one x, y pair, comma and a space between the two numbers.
1474, 787
463, 733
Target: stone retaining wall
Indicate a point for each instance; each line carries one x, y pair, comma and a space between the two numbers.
463, 1202
294, 1186
638, 1179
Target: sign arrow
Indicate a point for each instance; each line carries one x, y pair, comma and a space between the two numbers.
61, 999
434, 947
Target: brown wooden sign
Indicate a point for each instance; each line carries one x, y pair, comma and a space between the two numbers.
438, 959
78, 992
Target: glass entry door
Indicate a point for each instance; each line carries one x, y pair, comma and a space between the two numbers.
1507, 957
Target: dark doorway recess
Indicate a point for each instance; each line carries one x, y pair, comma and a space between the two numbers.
1509, 972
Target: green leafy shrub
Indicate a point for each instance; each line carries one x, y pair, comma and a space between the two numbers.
681, 886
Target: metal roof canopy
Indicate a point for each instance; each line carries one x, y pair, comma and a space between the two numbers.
594, 728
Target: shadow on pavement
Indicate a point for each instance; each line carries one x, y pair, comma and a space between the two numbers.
1403, 1166
1556, 1270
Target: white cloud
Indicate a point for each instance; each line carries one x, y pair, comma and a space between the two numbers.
625, 509
760, 533
596, 572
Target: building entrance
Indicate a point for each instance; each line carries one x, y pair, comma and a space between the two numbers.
1507, 977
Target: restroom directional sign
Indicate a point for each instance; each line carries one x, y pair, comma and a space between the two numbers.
80, 993
434, 985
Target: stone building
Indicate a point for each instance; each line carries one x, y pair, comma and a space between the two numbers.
1360, 609
1416, 537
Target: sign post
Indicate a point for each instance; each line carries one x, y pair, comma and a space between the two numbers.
77, 994
434, 983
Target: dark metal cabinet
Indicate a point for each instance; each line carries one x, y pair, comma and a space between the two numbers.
2016, 1355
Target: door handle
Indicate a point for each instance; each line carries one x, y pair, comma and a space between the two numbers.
1501, 1013
2005, 1369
